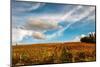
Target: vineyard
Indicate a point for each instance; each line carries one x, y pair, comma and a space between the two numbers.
50, 53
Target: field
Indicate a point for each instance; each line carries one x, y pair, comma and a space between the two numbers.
50, 53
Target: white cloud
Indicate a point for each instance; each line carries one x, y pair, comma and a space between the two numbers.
77, 38
68, 14
91, 18
27, 6
39, 24
50, 22
63, 18
51, 17
35, 6
82, 35
81, 16
19, 34
58, 33
38, 35
86, 13
34, 28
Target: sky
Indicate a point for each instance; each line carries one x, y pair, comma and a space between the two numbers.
34, 22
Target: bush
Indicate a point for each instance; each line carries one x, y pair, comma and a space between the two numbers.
89, 39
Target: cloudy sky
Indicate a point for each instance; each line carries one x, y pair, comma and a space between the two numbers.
34, 22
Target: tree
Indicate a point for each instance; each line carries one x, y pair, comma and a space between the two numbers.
89, 39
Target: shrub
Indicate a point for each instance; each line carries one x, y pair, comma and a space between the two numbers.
89, 39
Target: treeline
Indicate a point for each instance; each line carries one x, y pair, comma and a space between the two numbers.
91, 38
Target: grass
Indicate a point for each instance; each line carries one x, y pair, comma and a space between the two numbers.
50, 53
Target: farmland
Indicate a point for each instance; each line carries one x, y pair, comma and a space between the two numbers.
50, 53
